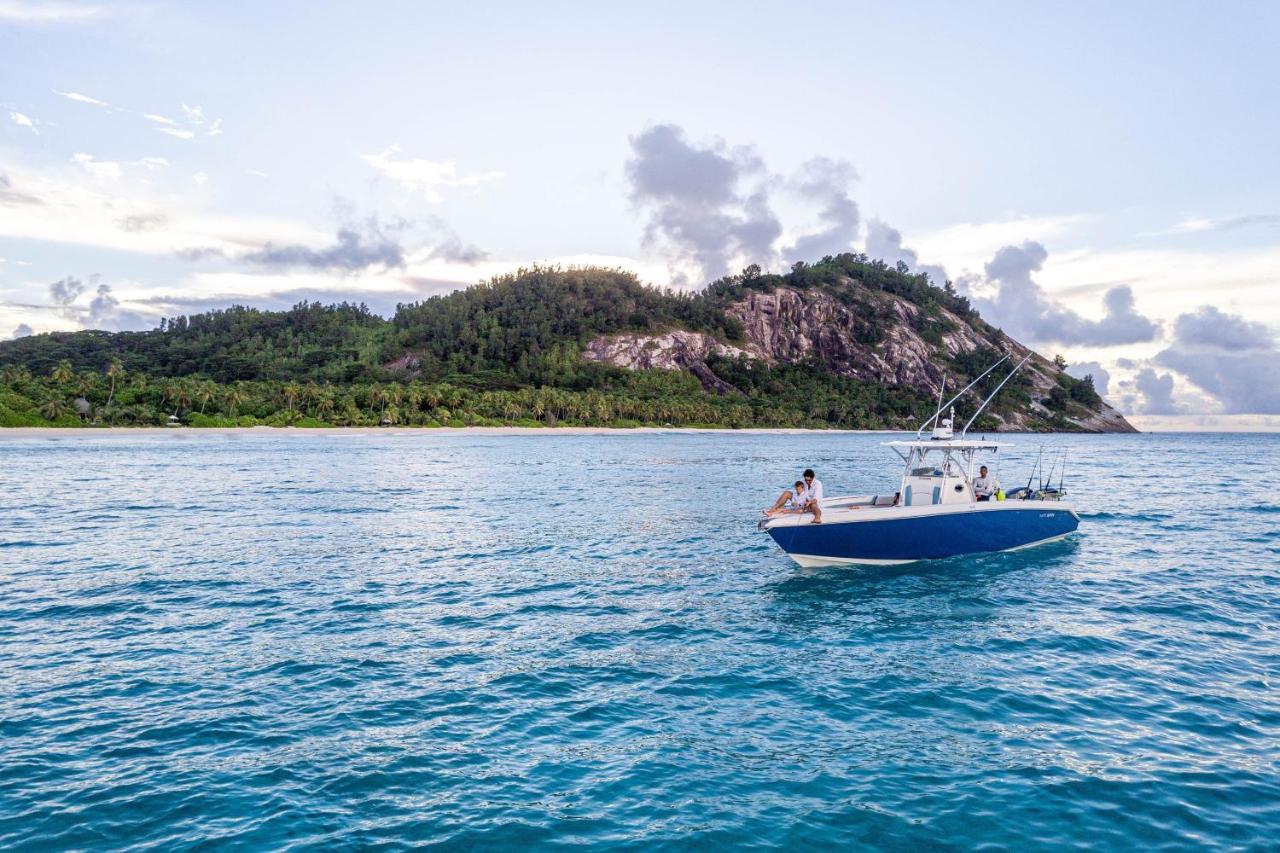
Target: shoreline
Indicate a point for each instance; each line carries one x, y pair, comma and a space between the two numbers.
52, 432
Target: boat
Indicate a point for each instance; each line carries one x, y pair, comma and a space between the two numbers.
935, 514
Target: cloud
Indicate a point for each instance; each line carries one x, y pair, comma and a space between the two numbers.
23, 120
427, 177
144, 222
46, 12
453, 249
103, 169
1156, 392
1252, 220
62, 206
256, 173
1210, 327
105, 313
1235, 360
8, 195
103, 310
827, 182
967, 246
1194, 224
200, 179
200, 253
885, 243
1101, 378
1019, 306
194, 119
65, 291
103, 306
382, 303
353, 251
82, 99
23, 331
696, 207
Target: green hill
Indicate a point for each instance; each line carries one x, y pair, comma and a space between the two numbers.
847, 342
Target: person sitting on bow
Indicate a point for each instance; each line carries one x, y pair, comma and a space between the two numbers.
790, 501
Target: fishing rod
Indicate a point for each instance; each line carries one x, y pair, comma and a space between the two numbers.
958, 396
1049, 480
1035, 467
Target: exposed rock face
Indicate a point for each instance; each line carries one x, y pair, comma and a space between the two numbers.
675, 350
873, 336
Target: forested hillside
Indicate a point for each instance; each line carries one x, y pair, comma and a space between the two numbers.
525, 348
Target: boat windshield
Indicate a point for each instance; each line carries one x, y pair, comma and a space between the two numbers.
943, 467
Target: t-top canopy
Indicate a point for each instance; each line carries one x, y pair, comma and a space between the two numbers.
950, 444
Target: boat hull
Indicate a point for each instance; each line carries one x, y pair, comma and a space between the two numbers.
905, 536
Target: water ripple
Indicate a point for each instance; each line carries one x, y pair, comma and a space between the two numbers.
543, 641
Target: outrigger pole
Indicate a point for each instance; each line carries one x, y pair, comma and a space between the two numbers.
958, 396
934, 420
993, 393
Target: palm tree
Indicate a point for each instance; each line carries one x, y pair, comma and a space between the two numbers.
62, 373
411, 394
176, 392
290, 392
114, 371
310, 395
233, 398
54, 408
13, 374
84, 383
204, 393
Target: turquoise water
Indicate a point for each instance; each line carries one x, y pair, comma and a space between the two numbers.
319, 642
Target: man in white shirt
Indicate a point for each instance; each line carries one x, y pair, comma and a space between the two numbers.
813, 495
984, 486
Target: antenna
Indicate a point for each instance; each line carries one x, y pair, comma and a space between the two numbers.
987, 401
958, 396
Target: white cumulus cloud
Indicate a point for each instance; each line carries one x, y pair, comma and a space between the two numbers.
428, 177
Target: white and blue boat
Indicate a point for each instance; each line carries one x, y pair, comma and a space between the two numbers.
935, 514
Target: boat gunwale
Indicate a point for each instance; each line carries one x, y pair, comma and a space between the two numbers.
833, 514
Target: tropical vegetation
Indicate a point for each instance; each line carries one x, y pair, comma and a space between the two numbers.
508, 351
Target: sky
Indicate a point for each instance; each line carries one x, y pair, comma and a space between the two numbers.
1100, 179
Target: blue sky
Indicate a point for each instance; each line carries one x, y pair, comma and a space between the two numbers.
185, 156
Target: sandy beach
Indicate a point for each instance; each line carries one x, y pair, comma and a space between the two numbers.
99, 432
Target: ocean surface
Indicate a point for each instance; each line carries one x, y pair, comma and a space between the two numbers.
321, 641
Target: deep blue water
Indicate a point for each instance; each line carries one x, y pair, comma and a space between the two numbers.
316, 641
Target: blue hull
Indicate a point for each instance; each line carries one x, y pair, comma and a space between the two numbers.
926, 537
